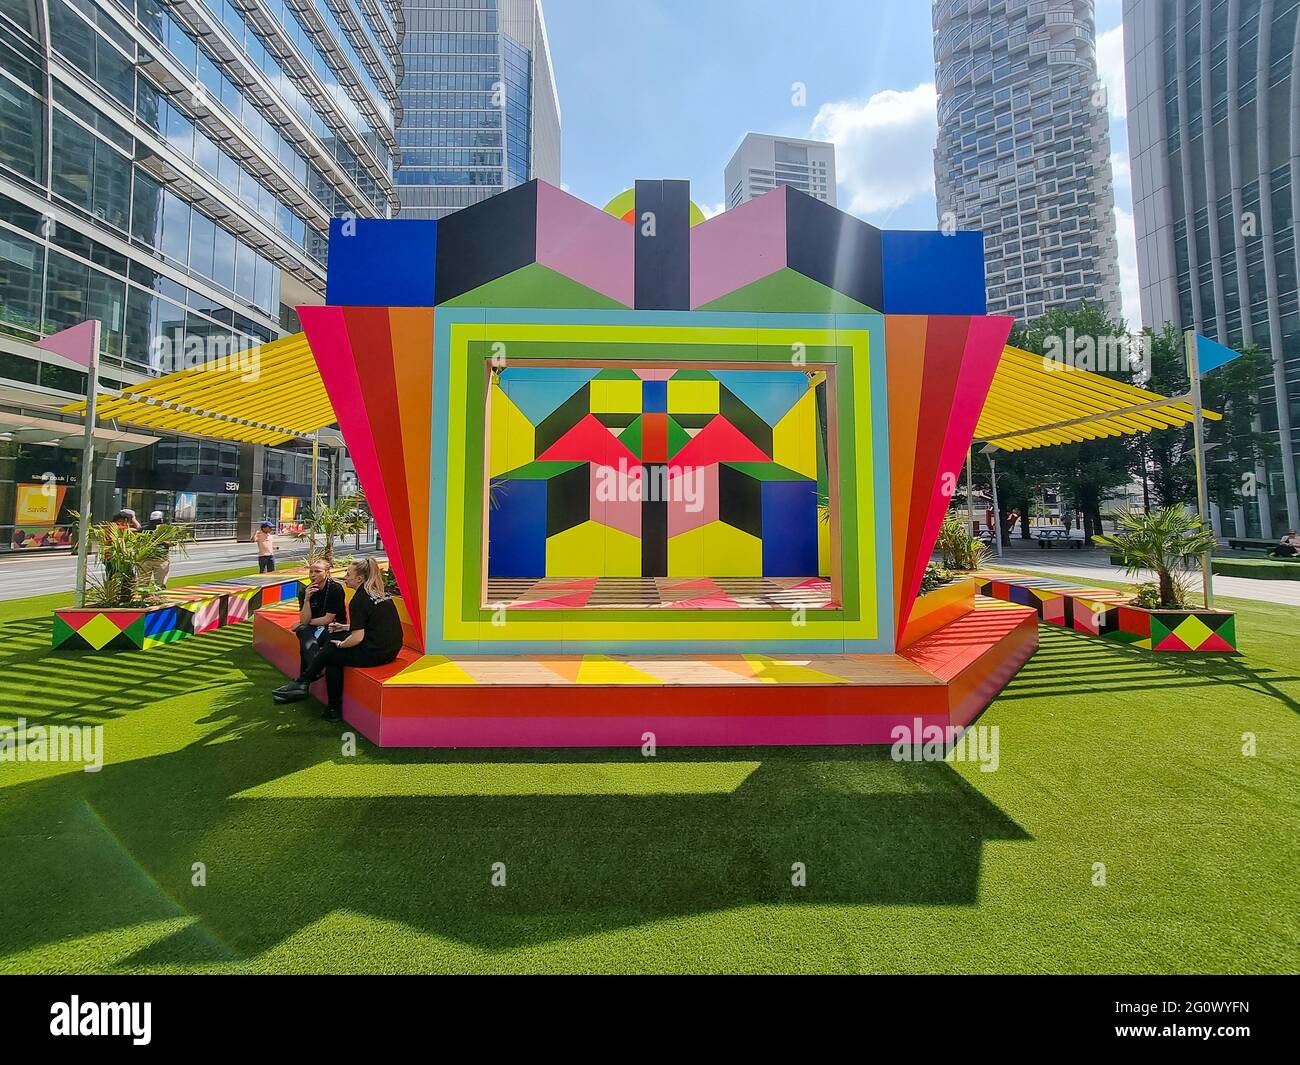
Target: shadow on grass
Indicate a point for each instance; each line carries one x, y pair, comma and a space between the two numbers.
1066, 660
116, 849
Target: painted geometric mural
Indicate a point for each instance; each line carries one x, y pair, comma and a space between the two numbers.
625, 472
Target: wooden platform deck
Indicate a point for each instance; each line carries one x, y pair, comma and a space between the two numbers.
944, 679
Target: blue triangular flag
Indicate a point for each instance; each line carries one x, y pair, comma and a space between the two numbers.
1210, 355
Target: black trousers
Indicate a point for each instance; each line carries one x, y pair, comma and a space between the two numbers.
265, 563
331, 659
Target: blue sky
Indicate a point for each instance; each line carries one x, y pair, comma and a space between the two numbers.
667, 88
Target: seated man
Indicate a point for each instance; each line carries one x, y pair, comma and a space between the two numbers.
1289, 547
321, 604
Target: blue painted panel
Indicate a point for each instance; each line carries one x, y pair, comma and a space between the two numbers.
930, 273
654, 397
517, 530
789, 528
382, 262
160, 621
768, 393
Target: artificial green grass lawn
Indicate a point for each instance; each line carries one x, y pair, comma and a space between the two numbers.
317, 861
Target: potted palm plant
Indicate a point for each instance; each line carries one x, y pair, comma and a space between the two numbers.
329, 522
1168, 543
961, 550
129, 558
124, 599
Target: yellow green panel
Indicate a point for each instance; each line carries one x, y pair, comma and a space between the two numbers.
615, 397
693, 397
686, 554
794, 437
730, 552
579, 551
513, 435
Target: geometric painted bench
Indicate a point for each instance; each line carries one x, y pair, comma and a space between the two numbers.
945, 678
1109, 613
183, 612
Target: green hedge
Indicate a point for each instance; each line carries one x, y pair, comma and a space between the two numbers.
1265, 569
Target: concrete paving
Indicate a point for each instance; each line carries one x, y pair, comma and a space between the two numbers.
22, 575
1095, 565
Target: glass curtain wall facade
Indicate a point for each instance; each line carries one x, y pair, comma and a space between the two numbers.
1214, 136
480, 112
1023, 150
170, 168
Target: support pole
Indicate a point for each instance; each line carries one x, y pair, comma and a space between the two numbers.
997, 510
87, 470
970, 493
315, 467
1202, 491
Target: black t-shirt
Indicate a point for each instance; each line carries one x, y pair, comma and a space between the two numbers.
378, 617
327, 599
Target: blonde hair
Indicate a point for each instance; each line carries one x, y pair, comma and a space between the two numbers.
372, 577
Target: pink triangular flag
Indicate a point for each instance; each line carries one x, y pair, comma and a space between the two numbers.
76, 344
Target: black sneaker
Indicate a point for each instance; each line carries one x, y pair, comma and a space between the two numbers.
331, 715
290, 693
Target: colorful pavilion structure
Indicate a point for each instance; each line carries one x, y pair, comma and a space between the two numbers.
640, 472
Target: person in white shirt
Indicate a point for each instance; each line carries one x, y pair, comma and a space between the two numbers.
265, 540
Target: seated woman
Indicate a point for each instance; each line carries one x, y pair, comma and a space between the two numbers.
373, 638
1289, 547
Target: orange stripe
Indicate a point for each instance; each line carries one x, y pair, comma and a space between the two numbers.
412, 337
905, 356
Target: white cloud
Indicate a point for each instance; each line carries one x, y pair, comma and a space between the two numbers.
1110, 66
1122, 174
1130, 297
710, 209
884, 147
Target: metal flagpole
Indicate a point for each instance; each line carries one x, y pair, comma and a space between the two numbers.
87, 469
970, 494
1202, 492
315, 465
997, 511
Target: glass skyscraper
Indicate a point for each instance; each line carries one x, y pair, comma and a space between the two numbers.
1024, 150
170, 168
480, 112
1214, 135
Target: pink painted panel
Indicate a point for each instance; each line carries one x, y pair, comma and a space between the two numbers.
985, 340
740, 246
327, 333
700, 484
584, 243
623, 511
670, 731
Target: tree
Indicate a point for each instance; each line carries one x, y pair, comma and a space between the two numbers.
1088, 471
344, 517
1234, 449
